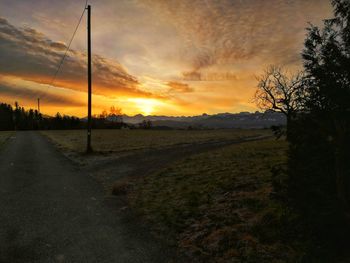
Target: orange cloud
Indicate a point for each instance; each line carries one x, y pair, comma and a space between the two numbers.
29, 54
179, 87
230, 32
189, 56
27, 91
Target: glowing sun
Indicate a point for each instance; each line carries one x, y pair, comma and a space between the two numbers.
145, 106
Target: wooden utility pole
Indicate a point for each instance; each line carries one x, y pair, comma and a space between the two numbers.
89, 148
38, 105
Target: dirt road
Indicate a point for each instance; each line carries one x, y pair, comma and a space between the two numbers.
52, 211
110, 169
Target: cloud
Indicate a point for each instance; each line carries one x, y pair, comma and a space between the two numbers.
50, 22
24, 94
29, 54
227, 32
208, 76
58, 46
179, 87
192, 75
214, 46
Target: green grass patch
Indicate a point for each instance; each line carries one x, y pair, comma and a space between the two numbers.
216, 206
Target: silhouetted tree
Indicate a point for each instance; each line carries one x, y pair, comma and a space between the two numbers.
21, 119
280, 91
6, 117
319, 139
109, 120
115, 111
145, 124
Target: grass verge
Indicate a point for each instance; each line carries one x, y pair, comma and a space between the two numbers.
216, 206
4, 135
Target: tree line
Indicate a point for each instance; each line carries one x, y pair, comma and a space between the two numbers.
315, 185
18, 118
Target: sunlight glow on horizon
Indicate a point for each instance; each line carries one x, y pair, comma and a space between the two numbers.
152, 57
145, 106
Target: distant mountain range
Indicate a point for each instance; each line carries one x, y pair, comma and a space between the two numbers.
245, 120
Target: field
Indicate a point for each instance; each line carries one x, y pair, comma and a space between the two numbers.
212, 203
126, 141
4, 135
216, 205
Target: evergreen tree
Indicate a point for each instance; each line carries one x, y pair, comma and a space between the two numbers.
319, 167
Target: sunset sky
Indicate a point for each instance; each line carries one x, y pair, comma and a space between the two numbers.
164, 57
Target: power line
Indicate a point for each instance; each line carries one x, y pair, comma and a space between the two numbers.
68, 47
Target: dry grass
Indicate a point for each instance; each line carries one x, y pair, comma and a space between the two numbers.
106, 141
121, 187
216, 205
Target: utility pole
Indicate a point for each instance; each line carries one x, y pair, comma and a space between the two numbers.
38, 105
89, 148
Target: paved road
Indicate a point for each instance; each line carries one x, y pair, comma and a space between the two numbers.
50, 211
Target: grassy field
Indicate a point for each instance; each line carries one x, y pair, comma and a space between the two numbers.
216, 205
4, 135
106, 141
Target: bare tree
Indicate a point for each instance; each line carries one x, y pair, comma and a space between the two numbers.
115, 111
280, 91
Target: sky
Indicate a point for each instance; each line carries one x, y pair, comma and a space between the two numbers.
159, 57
